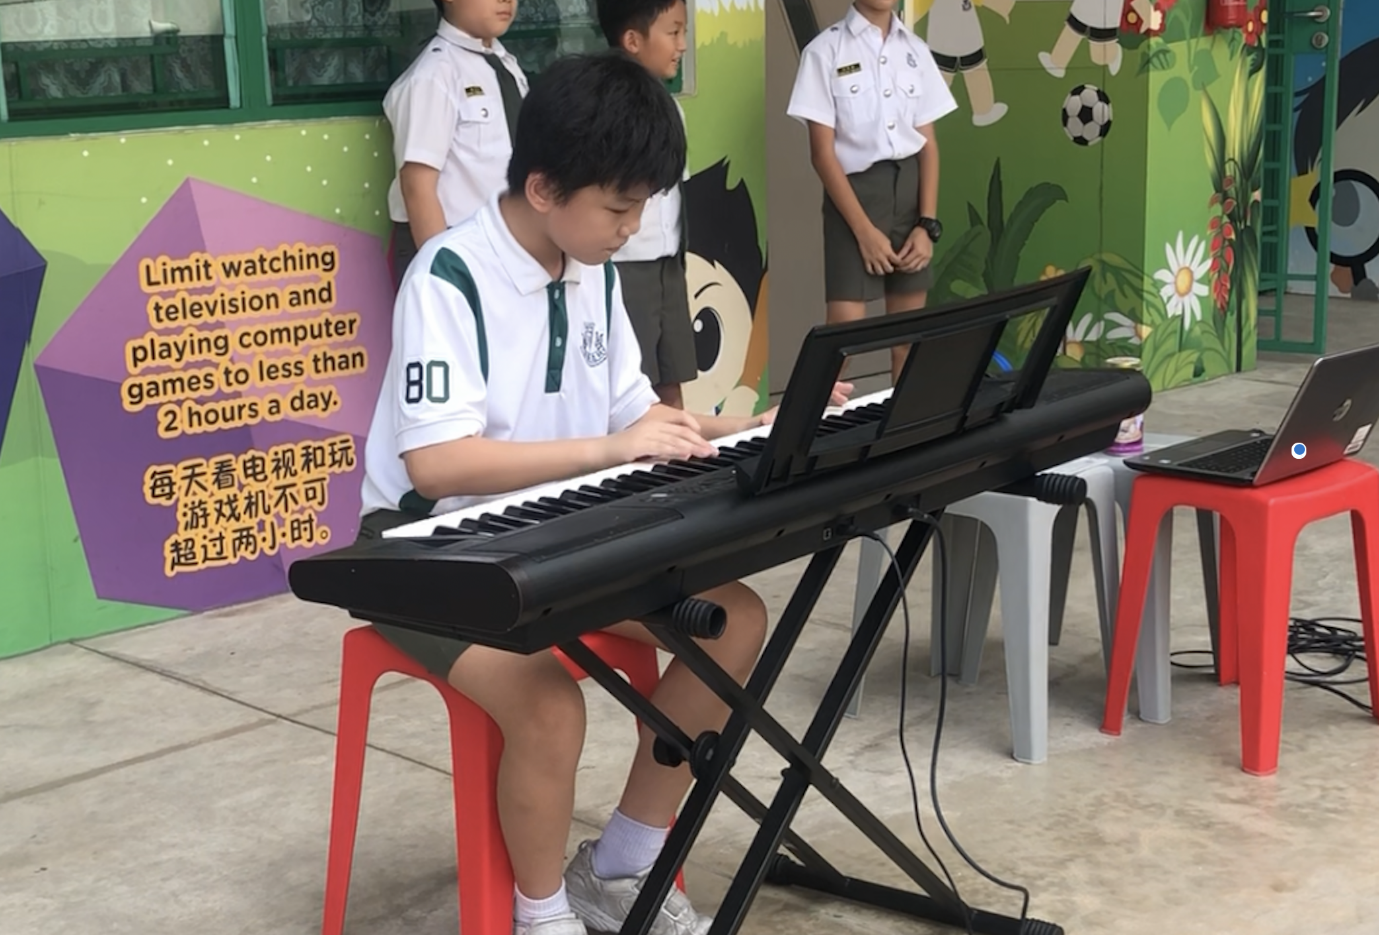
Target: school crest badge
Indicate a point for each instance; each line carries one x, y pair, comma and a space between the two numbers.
910, 60
592, 345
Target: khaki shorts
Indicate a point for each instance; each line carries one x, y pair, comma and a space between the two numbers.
657, 300
436, 653
889, 193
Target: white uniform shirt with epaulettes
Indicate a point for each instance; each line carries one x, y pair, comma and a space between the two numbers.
874, 93
659, 236
485, 343
446, 111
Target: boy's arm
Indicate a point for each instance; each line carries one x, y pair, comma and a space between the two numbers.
425, 216
928, 173
423, 116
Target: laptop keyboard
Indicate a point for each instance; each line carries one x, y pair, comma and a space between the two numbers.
1247, 457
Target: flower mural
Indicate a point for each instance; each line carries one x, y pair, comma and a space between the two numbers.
1183, 283
1172, 241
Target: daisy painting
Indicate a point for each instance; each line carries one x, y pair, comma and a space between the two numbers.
1183, 283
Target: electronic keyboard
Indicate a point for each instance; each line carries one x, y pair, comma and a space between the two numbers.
533, 569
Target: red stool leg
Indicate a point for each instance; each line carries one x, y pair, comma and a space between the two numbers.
1147, 509
359, 671
1262, 635
1227, 662
1364, 526
485, 873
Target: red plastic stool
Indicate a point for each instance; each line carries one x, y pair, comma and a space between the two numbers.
485, 875
1259, 531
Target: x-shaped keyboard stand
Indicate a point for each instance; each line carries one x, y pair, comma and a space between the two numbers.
711, 757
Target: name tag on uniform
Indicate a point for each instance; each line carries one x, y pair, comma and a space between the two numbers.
473, 91
852, 69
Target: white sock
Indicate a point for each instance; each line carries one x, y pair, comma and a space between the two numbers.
627, 847
529, 911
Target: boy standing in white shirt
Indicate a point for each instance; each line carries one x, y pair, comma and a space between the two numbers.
869, 92
453, 114
651, 264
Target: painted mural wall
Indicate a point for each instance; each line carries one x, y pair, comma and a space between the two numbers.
194, 325
1354, 261
1104, 133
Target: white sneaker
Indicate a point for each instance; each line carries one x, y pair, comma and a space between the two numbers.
1046, 60
605, 904
567, 924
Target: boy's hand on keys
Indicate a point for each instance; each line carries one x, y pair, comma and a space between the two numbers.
663, 434
839, 397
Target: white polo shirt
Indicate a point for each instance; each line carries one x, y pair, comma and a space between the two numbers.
659, 235
485, 343
874, 94
446, 111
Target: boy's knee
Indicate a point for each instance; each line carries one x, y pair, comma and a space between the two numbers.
746, 630
548, 709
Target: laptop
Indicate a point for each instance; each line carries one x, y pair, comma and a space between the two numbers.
1329, 419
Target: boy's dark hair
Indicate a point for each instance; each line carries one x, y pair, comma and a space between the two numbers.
440, 8
598, 120
618, 16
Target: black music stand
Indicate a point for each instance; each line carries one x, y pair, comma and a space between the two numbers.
945, 387
949, 344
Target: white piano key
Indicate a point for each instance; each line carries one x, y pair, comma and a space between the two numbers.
554, 489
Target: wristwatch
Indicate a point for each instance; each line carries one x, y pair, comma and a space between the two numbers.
932, 227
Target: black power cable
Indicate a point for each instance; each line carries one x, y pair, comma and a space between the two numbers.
933, 523
1314, 636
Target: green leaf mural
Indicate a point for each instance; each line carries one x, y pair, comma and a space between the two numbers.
958, 270
1204, 70
1173, 100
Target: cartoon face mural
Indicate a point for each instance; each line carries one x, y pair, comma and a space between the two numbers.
726, 274
1355, 198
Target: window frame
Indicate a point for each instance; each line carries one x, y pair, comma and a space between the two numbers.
249, 87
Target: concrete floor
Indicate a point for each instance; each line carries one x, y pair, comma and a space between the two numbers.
177, 778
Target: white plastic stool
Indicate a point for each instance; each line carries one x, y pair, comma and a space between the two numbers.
1018, 540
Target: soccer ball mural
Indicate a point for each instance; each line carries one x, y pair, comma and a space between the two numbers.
1087, 115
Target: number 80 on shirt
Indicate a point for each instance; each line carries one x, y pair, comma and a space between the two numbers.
429, 381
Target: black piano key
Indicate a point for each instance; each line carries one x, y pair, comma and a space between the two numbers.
563, 507
472, 526
599, 495
530, 511
504, 523
673, 473
753, 445
694, 466
581, 501
640, 481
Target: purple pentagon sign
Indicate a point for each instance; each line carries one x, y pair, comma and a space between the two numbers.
21, 279
231, 327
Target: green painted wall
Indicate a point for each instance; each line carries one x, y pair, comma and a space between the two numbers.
1021, 199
